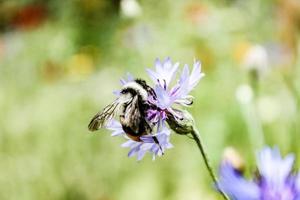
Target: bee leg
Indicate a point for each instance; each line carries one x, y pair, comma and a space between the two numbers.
157, 142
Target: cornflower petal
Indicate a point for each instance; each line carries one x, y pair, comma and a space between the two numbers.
275, 182
164, 99
129, 78
116, 127
141, 154
164, 72
128, 143
134, 149
196, 75
185, 74
298, 184
188, 81
183, 83
147, 143
273, 168
233, 184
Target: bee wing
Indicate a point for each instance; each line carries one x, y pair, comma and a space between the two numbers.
132, 115
101, 117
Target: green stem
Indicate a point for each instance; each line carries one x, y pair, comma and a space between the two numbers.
198, 140
289, 81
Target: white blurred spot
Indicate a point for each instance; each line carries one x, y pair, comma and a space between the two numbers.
130, 8
256, 58
244, 94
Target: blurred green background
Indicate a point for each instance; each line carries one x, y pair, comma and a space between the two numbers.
61, 60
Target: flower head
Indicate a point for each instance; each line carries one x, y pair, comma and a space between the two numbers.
167, 96
143, 110
275, 182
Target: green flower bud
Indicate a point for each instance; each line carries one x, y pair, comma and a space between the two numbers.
182, 123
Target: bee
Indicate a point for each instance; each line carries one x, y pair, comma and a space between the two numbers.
131, 106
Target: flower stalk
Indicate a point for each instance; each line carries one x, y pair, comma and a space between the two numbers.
198, 140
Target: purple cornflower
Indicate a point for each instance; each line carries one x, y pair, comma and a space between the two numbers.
167, 96
161, 99
275, 179
147, 143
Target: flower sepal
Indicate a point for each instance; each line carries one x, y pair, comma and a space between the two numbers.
181, 122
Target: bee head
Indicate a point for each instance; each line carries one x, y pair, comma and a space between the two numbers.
128, 92
132, 89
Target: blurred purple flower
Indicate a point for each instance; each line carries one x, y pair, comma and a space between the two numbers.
298, 184
235, 186
275, 181
147, 143
178, 94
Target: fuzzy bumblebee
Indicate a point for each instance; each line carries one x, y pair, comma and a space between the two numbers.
131, 106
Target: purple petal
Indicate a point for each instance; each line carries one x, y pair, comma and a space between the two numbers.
147, 139
129, 78
185, 74
117, 93
188, 82
132, 152
117, 133
272, 167
135, 149
173, 71
148, 144
153, 75
141, 154
129, 143
183, 85
298, 184
158, 64
164, 72
116, 127
164, 99
235, 186
123, 81
196, 75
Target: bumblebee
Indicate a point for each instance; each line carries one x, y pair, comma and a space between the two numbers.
131, 106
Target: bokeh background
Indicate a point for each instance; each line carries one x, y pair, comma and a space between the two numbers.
60, 61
